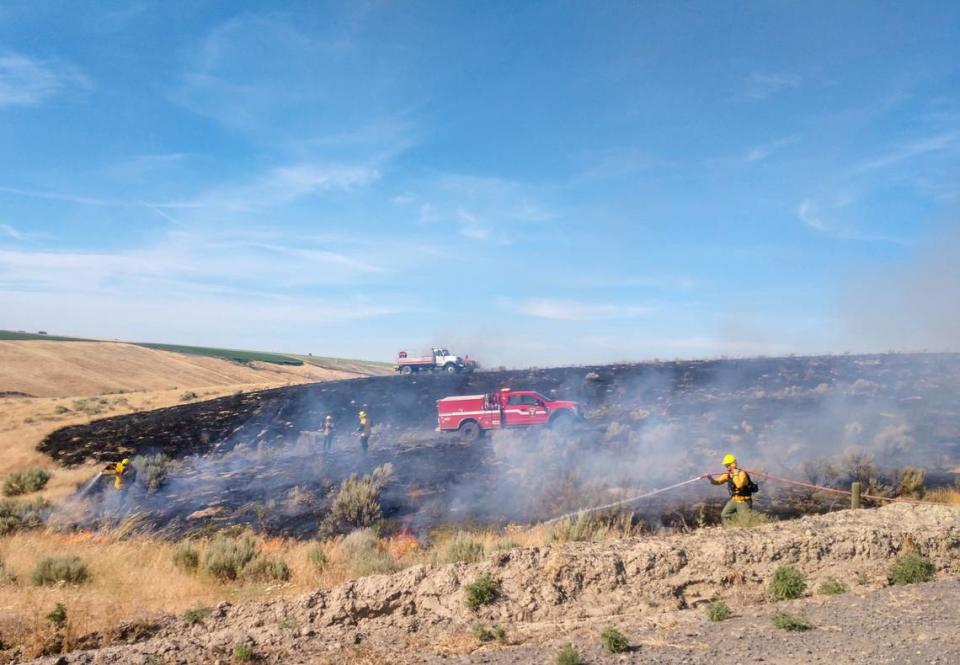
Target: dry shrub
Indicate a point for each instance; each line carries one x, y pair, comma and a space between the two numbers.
226, 557
911, 483
262, 569
186, 557
911, 569
24, 482
718, 611
790, 622
317, 557
6, 576
569, 656
363, 555
152, 470
595, 527
787, 583
462, 547
17, 515
357, 504
947, 495
55, 569
482, 591
614, 641
832, 587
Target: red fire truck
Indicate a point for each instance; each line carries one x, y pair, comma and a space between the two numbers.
472, 415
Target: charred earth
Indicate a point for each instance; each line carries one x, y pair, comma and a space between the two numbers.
255, 459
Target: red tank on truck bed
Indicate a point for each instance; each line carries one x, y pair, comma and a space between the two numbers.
472, 415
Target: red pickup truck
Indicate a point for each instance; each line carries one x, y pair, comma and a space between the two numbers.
472, 415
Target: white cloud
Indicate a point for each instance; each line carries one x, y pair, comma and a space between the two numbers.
483, 208
764, 150
28, 82
760, 86
807, 212
576, 310
913, 149
10, 231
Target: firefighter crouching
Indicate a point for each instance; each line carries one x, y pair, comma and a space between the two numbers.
364, 430
119, 471
740, 486
327, 431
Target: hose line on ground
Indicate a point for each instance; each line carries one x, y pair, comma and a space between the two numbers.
587, 511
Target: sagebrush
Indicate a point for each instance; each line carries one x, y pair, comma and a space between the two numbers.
569, 656
364, 556
24, 482
357, 504
56, 569
791, 622
463, 547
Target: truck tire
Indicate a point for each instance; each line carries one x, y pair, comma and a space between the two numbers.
406, 370
562, 422
451, 368
469, 431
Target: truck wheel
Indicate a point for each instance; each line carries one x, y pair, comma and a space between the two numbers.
469, 431
407, 370
562, 423
451, 368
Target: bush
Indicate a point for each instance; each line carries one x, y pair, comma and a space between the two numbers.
718, 611
58, 617
226, 557
16, 515
747, 520
196, 615
482, 591
262, 569
60, 409
187, 396
186, 557
583, 528
793, 622
787, 583
23, 482
364, 556
317, 557
242, 653
614, 641
569, 656
357, 504
6, 577
55, 569
910, 569
832, 588
153, 470
911, 483
463, 547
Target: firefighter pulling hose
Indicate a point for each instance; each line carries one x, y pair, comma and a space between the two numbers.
740, 486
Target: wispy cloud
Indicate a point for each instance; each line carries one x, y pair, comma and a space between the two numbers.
936, 143
760, 86
8, 230
481, 207
27, 82
578, 310
764, 150
807, 212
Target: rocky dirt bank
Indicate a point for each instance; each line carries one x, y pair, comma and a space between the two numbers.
653, 588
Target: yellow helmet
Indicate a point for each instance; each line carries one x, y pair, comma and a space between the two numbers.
329, 418
729, 459
362, 414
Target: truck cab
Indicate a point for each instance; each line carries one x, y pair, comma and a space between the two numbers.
472, 415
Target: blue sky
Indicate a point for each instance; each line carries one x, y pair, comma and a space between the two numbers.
531, 183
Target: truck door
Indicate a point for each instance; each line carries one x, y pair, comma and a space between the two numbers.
524, 410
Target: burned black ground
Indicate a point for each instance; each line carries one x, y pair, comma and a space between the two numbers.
245, 459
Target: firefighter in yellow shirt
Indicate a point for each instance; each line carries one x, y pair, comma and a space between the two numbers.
364, 430
740, 486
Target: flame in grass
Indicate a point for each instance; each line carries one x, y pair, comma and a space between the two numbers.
400, 545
